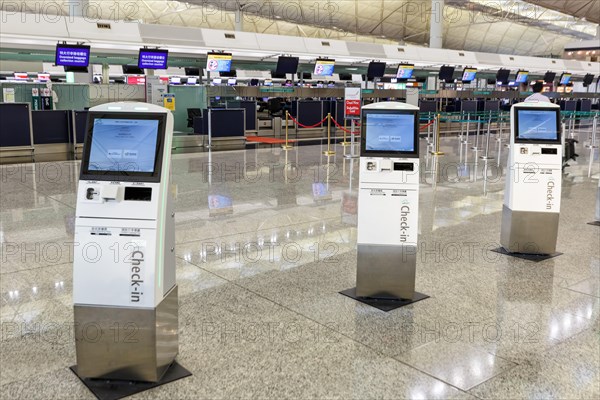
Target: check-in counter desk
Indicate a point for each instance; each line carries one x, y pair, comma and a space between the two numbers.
16, 139
52, 133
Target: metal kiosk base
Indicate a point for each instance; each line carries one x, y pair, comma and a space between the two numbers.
384, 304
105, 389
526, 256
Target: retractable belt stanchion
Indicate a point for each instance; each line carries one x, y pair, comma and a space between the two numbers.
286, 146
532, 195
486, 156
329, 152
388, 206
124, 286
436, 149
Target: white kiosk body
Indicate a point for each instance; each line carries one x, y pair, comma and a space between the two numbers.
533, 180
388, 201
124, 289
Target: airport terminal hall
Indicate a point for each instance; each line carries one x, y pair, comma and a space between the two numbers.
303, 200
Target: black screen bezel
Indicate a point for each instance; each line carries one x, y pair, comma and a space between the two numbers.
472, 69
287, 61
549, 77
384, 153
125, 176
375, 69
72, 46
405, 65
562, 76
538, 141
517, 76
163, 51
503, 75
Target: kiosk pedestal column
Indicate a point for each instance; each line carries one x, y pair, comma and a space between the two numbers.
533, 182
388, 206
124, 286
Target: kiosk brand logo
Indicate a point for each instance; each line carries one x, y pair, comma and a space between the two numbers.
404, 227
137, 258
550, 194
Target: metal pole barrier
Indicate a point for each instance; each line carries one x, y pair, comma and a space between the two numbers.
352, 146
476, 147
466, 140
593, 146
437, 151
329, 152
345, 143
487, 140
429, 129
286, 146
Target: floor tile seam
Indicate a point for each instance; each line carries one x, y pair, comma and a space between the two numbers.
370, 348
586, 294
2, 274
49, 371
252, 231
494, 376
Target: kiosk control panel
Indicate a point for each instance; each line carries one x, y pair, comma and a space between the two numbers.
388, 202
533, 180
124, 266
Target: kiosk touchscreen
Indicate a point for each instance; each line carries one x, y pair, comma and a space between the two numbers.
533, 181
388, 203
124, 262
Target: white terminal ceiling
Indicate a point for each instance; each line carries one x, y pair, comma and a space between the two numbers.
500, 26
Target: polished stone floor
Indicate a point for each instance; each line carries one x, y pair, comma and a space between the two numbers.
266, 240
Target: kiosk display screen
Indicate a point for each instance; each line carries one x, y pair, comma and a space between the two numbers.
70, 55
218, 62
537, 125
522, 77
153, 59
124, 145
390, 132
324, 67
565, 79
405, 71
469, 74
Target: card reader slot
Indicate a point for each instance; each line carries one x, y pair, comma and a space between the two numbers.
130, 234
101, 233
138, 193
546, 150
400, 166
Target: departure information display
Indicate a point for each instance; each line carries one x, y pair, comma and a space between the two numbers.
405, 71
390, 132
522, 76
469, 74
153, 59
537, 125
218, 62
69, 55
324, 67
123, 145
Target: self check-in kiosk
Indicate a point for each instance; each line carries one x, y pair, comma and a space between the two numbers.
124, 289
388, 201
533, 180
